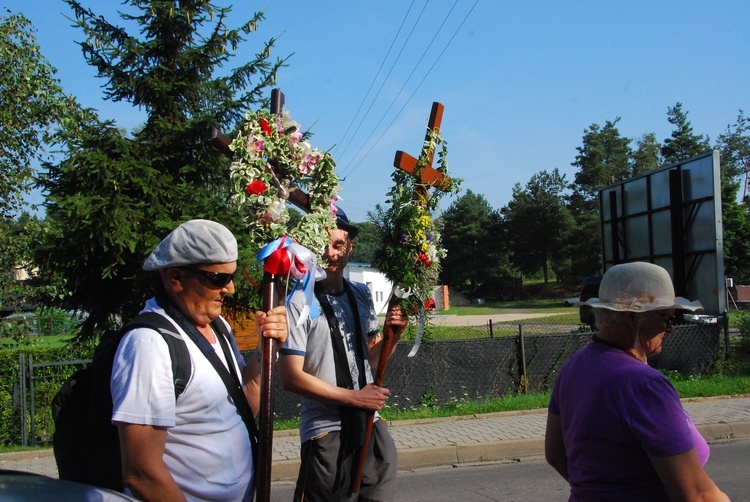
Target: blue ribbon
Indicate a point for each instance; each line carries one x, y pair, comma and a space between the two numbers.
303, 267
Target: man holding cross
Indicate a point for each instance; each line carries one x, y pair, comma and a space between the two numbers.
194, 446
327, 361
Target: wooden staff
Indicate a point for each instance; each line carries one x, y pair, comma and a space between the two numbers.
271, 290
265, 428
385, 350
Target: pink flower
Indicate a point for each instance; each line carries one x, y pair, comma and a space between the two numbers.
308, 162
258, 146
295, 138
332, 205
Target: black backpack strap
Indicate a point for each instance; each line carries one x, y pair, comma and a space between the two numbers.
178, 350
233, 384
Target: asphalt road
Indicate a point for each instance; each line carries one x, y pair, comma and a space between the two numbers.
532, 480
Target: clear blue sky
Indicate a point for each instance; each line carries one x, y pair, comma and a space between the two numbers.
520, 81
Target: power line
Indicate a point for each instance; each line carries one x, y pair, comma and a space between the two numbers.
375, 79
385, 79
393, 101
415, 90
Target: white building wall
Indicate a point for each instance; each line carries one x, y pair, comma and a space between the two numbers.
380, 287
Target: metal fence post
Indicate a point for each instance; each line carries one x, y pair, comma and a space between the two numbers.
22, 386
524, 379
33, 400
491, 328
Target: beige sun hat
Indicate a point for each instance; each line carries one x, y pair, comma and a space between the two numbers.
192, 243
639, 287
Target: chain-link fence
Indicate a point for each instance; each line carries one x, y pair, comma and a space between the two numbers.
501, 358
496, 359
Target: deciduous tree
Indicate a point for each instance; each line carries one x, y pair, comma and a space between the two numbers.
31, 103
366, 243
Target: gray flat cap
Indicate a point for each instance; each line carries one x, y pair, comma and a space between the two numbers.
192, 243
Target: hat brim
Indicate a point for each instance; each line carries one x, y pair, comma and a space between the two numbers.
350, 229
679, 303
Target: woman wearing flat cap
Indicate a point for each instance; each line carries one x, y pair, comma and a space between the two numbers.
195, 446
616, 429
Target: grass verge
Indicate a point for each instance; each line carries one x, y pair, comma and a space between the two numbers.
734, 380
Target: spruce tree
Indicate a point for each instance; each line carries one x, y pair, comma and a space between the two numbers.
114, 195
683, 143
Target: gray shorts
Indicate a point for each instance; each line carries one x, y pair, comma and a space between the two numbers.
326, 470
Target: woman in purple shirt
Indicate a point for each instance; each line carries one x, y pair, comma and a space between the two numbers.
616, 429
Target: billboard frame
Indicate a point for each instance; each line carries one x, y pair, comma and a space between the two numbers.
671, 217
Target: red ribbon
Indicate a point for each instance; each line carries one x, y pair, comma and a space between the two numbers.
278, 262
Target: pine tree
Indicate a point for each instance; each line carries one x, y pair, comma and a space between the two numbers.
473, 240
646, 154
734, 145
683, 143
603, 159
536, 220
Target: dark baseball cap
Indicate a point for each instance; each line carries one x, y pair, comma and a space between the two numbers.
342, 221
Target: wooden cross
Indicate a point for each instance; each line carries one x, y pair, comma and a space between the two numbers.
271, 298
428, 175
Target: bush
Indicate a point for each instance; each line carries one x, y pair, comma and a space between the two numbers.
47, 381
743, 325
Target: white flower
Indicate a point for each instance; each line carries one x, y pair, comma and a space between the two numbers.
276, 209
287, 121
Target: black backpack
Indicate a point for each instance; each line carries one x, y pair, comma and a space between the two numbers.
85, 443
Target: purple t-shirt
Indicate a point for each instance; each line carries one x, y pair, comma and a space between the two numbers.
614, 410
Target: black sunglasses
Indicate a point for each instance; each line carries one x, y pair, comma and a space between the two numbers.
668, 320
217, 279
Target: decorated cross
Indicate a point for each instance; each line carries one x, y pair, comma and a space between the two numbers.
414, 250
271, 296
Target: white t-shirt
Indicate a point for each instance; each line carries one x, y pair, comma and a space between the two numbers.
207, 448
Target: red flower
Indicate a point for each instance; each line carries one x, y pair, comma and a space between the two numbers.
266, 128
424, 259
256, 187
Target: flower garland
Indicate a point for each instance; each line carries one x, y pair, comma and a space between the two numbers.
411, 248
271, 155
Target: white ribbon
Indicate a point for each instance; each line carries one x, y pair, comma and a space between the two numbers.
422, 318
304, 267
